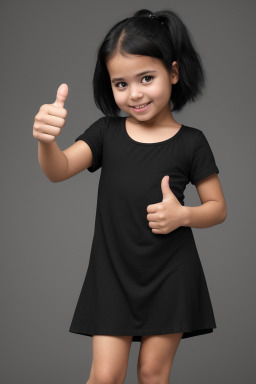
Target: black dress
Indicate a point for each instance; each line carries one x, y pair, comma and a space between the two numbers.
137, 282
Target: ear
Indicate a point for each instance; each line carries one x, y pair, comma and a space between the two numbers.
174, 75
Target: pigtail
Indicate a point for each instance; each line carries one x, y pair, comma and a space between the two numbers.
191, 72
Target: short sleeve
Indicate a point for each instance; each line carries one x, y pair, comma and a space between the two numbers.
202, 161
93, 136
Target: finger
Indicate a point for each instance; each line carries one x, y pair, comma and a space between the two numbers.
154, 224
61, 97
56, 111
50, 129
167, 198
152, 217
157, 231
45, 137
54, 121
153, 208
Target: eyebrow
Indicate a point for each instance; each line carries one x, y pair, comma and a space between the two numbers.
138, 74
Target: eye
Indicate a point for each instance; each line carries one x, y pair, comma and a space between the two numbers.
122, 82
116, 85
151, 77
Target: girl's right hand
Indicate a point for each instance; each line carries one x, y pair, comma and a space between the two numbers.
51, 118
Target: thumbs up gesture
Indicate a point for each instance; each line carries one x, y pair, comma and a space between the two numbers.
51, 117
166, 216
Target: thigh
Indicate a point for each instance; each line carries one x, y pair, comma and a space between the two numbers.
156, 355
110, 358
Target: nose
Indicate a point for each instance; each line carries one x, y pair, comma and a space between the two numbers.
135, 93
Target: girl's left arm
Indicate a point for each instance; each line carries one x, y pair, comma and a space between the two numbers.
213, 209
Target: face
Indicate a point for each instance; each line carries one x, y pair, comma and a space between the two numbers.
131, 88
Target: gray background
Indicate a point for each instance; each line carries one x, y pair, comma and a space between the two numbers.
47, 228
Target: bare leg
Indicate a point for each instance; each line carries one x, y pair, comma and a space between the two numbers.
110, 359
156, 357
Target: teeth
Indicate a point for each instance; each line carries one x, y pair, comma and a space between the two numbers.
141, 106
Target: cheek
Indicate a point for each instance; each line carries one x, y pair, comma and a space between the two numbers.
161, 93
119, 97
158, 89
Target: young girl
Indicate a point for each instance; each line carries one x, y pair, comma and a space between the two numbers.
144, 281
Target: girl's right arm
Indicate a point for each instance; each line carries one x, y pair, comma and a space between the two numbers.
56, 164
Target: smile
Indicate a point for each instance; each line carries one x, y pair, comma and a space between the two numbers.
141, 107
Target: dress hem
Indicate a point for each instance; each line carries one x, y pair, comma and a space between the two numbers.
187, 331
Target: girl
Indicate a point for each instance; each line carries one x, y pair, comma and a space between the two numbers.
144, 281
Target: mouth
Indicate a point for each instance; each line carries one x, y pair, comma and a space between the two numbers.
140, 107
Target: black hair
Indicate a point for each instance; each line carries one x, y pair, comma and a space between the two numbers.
162, 35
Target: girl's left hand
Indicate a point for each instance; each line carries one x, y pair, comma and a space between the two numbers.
166, 216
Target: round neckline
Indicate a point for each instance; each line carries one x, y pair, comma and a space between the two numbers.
155, 143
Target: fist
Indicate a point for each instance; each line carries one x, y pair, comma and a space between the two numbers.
167, 215
51, 118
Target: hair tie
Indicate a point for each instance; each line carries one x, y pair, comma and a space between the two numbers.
156, 17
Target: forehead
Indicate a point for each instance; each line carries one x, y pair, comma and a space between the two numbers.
130, 65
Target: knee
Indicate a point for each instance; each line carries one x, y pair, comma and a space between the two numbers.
106, 377
149, 375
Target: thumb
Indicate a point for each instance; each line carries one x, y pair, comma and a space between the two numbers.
62, 94
167, 193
